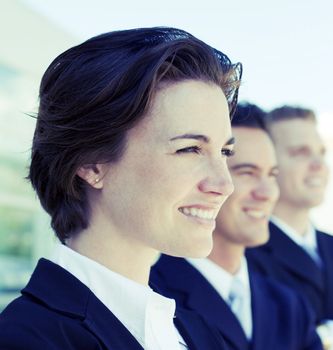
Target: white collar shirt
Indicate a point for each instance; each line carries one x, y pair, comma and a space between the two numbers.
222, 281
148, 316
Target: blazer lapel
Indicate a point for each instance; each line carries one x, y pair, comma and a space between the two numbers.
325, 245
196, 333
198, 295
262, 311
208, 303
76, 300
294, 258
108, 328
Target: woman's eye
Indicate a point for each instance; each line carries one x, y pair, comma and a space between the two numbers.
191, 149
227, 152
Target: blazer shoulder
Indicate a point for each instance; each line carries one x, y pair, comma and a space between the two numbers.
325, 235
27, 323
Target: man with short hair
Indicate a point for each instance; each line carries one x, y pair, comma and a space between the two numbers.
297, 253
251, 311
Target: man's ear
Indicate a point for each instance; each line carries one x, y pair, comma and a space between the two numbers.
93, 174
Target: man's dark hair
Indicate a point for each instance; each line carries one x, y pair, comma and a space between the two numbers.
289, 113
248, 115
93, 93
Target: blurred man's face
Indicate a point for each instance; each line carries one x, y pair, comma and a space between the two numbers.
303, 172
243, 218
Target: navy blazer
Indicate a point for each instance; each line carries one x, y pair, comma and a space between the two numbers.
287, 262
281, 320
57, 311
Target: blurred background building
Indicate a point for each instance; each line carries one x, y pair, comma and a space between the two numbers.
286, 48
28, 42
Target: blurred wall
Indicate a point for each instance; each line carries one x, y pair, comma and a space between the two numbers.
28, 44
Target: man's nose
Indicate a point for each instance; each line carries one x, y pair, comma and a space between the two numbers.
267, 189
218, 179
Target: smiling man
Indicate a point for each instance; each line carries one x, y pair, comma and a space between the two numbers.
297, 253
251, 311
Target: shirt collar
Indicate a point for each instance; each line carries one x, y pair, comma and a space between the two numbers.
132, 303
308, 240
243, 274
221, 279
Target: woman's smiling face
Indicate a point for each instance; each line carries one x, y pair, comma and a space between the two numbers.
166, 190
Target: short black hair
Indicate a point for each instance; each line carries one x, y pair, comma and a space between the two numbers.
94, 93
249, 116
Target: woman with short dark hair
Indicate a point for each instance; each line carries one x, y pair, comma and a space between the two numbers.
129, 159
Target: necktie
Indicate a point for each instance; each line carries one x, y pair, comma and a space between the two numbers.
236, 297
237, 302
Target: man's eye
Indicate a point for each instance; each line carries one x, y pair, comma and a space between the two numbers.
244, 172
300, 152
227, 152
274, 174
191, 149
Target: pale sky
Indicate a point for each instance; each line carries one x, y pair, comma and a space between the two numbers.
286, 46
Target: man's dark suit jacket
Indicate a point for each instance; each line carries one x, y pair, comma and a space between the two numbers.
57, 312
285, 261
281, 321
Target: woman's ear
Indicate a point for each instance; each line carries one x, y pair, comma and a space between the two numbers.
93, 174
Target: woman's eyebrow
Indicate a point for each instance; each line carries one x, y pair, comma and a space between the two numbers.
191, 136
200, 137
